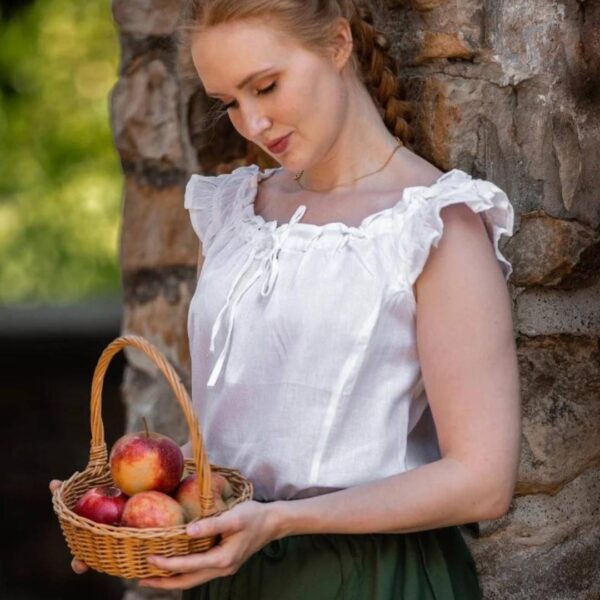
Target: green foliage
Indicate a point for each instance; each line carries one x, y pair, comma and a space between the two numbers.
60, 178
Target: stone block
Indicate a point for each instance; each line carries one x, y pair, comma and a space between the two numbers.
161, 319
541, 311
435, 118
145, 116
546, 547
427, 5
546, 250
156, 229
146, 17
439, 44
521, 37
560, 387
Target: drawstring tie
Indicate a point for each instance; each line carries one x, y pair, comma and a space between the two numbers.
269, 264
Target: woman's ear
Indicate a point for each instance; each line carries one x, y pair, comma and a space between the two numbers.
342, 43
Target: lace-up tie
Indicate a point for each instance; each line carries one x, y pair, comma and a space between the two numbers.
268, 268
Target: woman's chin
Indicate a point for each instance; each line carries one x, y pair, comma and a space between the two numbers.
292, 163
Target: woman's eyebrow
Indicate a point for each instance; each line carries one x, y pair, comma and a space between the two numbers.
244, 82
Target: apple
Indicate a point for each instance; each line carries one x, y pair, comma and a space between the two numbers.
221, 486
103, 504
152, 509
146, 461
188, 495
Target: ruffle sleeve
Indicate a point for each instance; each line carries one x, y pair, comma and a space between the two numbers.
201, 202
213, 202
453, 187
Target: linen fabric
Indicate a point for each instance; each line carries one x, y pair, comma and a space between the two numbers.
305, 371
427, 565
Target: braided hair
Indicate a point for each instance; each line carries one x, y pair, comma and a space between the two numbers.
379, 71
310, 21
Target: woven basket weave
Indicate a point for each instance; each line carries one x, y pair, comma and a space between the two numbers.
122, 551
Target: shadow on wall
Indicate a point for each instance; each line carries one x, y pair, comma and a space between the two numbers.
47, 358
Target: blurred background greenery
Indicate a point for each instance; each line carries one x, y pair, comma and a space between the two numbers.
60, 177
60, 298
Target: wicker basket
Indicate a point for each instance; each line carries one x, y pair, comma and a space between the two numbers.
122, 551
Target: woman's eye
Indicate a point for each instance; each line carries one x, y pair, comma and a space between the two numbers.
268, 89
259, 92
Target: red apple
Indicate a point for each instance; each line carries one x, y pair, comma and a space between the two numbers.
145, 461
103, 504
188, 495
152, 509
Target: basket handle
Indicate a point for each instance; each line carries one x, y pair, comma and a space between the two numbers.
98, 453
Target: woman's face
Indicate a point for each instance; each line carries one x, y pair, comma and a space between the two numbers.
273, 87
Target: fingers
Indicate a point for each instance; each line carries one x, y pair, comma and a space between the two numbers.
78, 566
178, 582
226, 523
54, 484
215, 558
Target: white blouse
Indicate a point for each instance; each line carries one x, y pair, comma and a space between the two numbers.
305, 373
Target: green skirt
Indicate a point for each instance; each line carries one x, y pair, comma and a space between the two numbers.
428, 565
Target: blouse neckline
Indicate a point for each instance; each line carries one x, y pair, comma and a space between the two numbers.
249, 191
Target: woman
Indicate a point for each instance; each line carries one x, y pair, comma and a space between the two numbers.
356, 361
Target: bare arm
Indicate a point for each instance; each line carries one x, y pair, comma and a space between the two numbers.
468, 360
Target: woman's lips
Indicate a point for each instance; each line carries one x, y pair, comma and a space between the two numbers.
280, 145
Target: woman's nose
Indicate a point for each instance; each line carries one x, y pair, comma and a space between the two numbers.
256, 124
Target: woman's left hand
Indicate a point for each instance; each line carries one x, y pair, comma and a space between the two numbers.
245, 529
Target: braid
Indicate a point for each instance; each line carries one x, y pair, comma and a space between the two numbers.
380, 71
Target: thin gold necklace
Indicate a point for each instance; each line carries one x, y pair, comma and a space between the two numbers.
385, 164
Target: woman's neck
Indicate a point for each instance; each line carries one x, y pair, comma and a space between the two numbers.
362, 147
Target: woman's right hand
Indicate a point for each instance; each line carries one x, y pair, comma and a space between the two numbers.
77, 565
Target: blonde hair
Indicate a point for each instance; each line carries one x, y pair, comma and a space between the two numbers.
310, 22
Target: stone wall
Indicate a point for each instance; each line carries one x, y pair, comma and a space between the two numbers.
506, 90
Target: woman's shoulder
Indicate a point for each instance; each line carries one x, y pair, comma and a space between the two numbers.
433, 190
210, 199
201, 189
459, 201
416, 171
